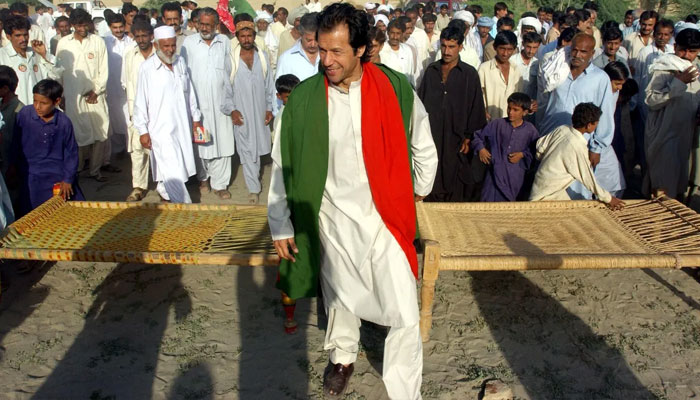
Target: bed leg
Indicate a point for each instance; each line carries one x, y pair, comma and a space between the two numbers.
431, 268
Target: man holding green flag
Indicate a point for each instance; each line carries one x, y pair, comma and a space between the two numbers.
354, 153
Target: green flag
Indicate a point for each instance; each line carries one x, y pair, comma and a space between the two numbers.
241, 7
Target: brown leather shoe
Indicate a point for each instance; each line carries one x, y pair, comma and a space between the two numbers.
336, 381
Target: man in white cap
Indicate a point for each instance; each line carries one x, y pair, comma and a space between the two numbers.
371, 8
262, 20
314, 5
288, 38
384, 9
165, 115
207, 56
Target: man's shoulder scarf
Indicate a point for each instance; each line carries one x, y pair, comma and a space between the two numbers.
386, 94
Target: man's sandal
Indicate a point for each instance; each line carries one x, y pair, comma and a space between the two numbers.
136, 195
335, 383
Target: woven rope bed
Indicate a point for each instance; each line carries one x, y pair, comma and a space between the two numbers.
146, 233
659, 233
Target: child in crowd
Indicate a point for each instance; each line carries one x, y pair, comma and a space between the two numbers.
284, 86
564, 159
9, 107
505, 146
44, 150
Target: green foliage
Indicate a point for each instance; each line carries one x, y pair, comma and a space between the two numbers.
155, 3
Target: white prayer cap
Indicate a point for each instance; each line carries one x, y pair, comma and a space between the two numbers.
370, 6
264, 15
164, 32
465, 16
381, 17
297, 13
530, 21
680, 25
384, 7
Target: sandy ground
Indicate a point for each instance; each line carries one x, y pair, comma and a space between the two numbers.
116, 331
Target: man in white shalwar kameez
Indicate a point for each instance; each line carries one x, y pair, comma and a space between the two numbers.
251, 101
117, 41
31, 65
133, 58
207, 55
397, 55
83, 57
164, 111
365, 269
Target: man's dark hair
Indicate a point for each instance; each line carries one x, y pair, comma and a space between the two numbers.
411, 10
141, 24
629, 12
19, 8
584, 114
521, 100
459, 24
475, 9
308, 23
612, 33
609, 24
142, 19
79, 17
692, 18
62, 18
16, 23
583, 15
663, 23
48, 88
128, 8
211, 12
589, 5
429, 18
558, 18
649, 14
375, 34
617, 71
629, 89
567, 35
285, 83
8, 77
505, 38
172, 6
688, 38
114, 18
403, 20
571, 20
144, 11
570, 10
443, 6
452, 32
194, 15
500, 6
398, 24
356, 21
283, 11
242, 17
507, 21
532, 37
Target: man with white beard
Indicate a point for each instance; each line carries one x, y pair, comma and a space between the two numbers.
262, 23
207, 56
164, 109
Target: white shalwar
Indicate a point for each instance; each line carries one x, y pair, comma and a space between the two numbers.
130, 77
368, 276
209, 66
165, 107
30, 70
116, 96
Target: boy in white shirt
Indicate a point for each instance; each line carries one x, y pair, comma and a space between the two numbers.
563, 156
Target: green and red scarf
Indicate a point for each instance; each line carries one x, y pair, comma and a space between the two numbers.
386, 94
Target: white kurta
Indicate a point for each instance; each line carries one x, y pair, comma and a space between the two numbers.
116, 96
164, 108
401, 60
85, 68
30, 70
495, 88
363, 268
210, 69
528, 72
563, 156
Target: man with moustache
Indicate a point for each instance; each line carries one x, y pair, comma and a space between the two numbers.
342, 198
586, 83
171, 15
142, 31
164, 110
451, 92
207, 55
250, 105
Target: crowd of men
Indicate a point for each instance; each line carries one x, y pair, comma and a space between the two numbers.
476, 101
